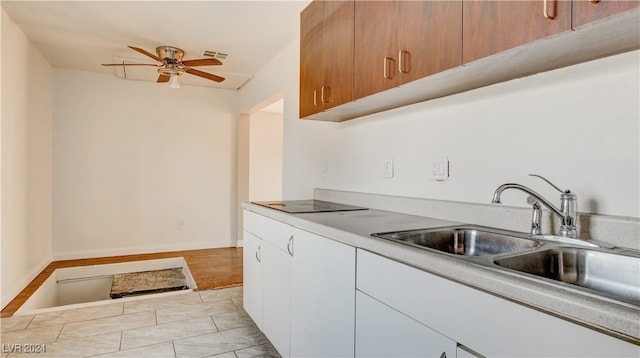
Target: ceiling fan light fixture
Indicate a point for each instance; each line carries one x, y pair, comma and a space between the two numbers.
172, 65
173, 82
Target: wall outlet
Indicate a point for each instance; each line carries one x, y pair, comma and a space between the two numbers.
386, 168
180, 225
324, 170
440, 168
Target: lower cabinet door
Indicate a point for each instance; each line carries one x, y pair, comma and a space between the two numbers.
275, 296
252, 277
322, 297
382, 331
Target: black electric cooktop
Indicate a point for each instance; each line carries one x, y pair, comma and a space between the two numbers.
307, 206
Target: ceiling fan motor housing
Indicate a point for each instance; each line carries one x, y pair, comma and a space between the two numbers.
172, 56
170, 52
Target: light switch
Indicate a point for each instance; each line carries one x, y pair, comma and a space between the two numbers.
440, 168
386, 168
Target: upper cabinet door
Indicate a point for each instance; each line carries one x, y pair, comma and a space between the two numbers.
311, 25
337, 57
402, 41
376, 36
429, 38
490, 27
586, 11
326, 55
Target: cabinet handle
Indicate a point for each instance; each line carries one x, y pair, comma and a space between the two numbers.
315, 97
545, 10
325, 91
403, 61
259, 254
386, 68
290, 246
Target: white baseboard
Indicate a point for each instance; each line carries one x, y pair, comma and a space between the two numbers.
14, 291
87, 254
240, 243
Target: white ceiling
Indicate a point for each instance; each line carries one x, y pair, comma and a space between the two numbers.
82, 35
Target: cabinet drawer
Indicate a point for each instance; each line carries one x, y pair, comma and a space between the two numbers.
269, 230
384, 332
488, 324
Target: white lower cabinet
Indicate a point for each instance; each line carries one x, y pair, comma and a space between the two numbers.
252, 277
485, 323
275, 296
267, 277
266, 289
382, 331
322, 297
300, 287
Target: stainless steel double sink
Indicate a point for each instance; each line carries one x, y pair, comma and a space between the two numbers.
605, 272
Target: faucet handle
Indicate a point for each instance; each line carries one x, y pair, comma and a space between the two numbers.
550, 183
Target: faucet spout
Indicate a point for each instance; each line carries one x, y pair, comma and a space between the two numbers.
542, 200
567, 210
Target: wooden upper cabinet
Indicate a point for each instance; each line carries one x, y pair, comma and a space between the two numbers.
490, 27
326, 55
587, 11
338, 40
310, 52
401, 41
376, 36
429, 38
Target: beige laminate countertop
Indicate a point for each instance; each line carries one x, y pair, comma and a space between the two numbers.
354, 228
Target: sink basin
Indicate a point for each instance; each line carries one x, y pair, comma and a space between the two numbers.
612, 274
462, 240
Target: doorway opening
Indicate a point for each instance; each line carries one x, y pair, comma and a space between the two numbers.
260, 154
265, 152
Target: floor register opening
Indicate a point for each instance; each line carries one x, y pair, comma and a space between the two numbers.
100, 284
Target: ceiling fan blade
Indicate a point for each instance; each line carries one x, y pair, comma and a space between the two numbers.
202, 62
163, 78
208, 76
129, 64
145, 52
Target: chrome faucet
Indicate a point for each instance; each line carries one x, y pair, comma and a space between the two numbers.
567, 211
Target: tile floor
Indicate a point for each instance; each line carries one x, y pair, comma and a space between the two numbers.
207, 323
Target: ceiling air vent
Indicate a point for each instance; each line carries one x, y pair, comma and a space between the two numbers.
215, 54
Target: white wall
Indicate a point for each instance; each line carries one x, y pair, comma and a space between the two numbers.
133, 158
578, 126
265, 156
26, 132
305, 143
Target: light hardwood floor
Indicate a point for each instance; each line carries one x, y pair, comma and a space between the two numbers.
210, 268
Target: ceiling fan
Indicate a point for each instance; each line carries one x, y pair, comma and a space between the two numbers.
172, 65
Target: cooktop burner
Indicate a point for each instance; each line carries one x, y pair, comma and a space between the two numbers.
307, 206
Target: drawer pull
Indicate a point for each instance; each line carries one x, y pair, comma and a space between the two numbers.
545, 10
387, 68
315, 97
259, 254
403, 61
290, 246
324, 94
